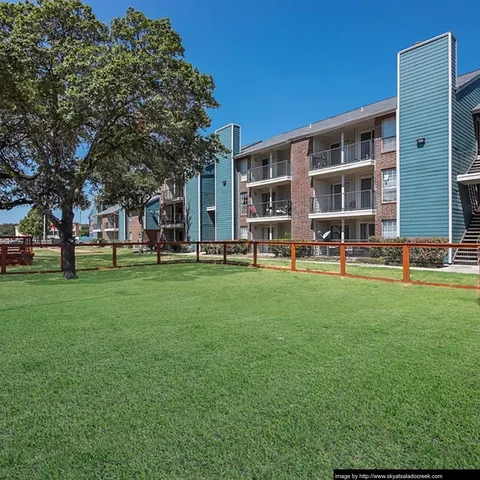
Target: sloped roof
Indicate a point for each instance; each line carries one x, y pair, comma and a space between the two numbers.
368, 111
108, 211
476, 109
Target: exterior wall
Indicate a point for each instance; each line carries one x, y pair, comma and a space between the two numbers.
301, 189
383, 161
225, 185
424, 91
242, 188
134, 230
207, 186
192, 209
464, 143
151, 215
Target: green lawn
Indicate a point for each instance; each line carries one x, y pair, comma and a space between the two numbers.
211, 371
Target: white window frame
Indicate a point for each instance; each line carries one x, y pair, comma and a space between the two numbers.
243, 206
391, 188
391, 231
243, 233
389, 143
243, 169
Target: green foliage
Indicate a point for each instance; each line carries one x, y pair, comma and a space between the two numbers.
240, 248
419, 257
7, 229
286, 251
84, 230
32, 223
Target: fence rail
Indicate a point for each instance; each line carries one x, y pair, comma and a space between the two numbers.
10, 252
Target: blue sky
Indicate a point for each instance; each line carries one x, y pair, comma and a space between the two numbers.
279, 64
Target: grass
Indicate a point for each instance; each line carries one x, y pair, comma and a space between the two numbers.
212, 371
88, 257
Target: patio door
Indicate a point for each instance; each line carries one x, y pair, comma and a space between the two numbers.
366, 145
367, 230
265, 169
336, 232
366, 196
335, 154
335, 203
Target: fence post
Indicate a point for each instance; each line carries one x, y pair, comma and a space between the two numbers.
293, 257
114, 255
343, 260
406, 264
3, 258
198, 252
159, 253
255, 254
224, 253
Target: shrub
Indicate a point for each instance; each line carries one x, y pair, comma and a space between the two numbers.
285, 250
240, 248
419, 257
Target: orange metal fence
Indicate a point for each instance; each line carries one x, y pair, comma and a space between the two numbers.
252, 254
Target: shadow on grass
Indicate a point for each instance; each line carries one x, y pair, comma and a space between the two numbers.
174, 271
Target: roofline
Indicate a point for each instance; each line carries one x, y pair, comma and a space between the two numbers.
298, 137
472, 80
430, 40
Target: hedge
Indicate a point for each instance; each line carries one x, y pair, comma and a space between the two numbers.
232, 249
419, 257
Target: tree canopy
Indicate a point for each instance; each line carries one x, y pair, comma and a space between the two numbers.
32, 224
93, 109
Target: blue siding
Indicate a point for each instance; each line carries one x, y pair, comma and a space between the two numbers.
151, 215
192, 209
464, 141
223, 187
423, 112
236, 150
121, 224
207, 185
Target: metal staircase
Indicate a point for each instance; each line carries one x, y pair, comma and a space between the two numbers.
475, 166
469, 256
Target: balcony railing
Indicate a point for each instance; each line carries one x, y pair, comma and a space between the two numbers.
172, 219
96, 226
173, 194
356, 152
110, 225
279, 208
360, 200
269, 172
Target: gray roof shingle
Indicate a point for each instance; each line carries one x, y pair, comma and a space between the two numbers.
372, 110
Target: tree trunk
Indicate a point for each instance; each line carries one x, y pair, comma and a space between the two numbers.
67, 242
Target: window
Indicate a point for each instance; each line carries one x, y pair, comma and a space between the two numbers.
389, 185
389, 134
243, 169
243, 233
243, 203
389, 228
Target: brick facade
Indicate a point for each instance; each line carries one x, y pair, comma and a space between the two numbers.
385, 210
242, 188
301, 189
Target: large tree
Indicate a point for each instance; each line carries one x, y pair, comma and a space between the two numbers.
88, 108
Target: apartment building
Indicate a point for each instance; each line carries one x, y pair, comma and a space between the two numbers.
113, 223
404, 166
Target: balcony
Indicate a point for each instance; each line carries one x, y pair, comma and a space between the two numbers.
110, 226
173, 194
278, 211
97, 227
351, 204
350, 157
172, 221
277, 172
